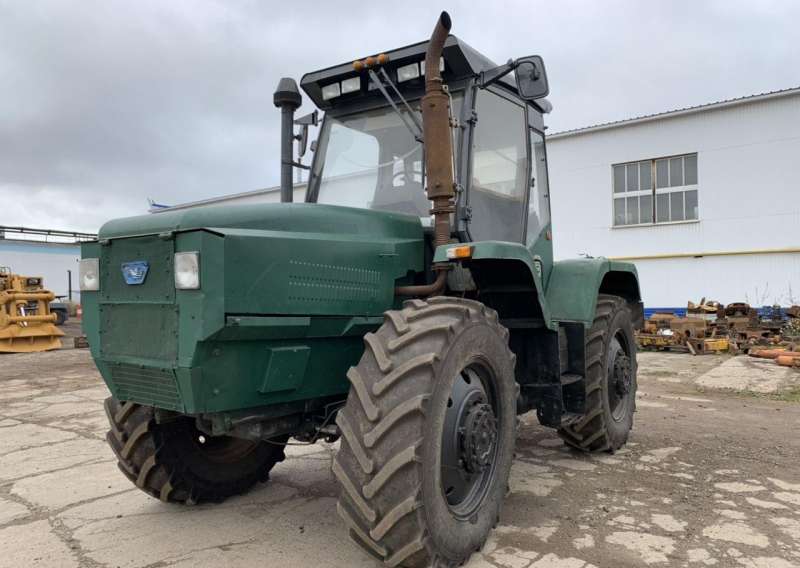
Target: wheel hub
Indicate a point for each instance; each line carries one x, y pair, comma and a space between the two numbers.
478, 436
470, 442
622, 374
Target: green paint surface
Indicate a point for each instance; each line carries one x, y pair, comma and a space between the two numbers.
287, 293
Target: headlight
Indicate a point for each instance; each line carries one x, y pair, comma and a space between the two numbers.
187, 270
89, 274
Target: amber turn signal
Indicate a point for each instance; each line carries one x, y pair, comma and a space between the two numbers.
455, 253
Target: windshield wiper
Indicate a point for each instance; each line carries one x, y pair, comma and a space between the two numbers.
414, 126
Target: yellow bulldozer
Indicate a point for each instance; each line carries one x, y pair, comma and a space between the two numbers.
26, 324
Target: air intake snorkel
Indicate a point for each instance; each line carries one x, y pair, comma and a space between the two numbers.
438, 154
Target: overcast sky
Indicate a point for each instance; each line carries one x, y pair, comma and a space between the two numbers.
104, 104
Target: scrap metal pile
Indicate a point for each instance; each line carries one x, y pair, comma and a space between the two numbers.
710, 327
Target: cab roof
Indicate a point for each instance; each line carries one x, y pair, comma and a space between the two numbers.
460, 62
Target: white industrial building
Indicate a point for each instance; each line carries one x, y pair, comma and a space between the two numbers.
722, 219
51, 254
704, 200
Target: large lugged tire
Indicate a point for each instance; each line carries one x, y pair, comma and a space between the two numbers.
428, 434
610, 381
174, 462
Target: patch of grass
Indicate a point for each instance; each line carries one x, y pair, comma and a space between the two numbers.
790, 395
658, 373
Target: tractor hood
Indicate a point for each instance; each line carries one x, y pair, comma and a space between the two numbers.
268, 259
286, 217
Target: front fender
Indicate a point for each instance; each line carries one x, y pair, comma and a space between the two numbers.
501, 250
570, 294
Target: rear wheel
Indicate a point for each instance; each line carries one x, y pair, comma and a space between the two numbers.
610, 380
428, 434
176, 462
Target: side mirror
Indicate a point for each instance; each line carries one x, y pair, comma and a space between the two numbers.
531, 78
311, 119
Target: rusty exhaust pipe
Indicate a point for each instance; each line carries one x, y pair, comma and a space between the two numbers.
438, 154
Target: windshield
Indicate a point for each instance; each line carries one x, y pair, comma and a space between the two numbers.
371, 160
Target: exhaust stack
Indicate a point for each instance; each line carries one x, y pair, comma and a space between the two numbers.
438, 153
287, 97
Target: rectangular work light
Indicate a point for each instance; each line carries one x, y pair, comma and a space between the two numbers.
331, 91
351, 85
407, 72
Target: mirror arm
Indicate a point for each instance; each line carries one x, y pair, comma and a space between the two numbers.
491, 76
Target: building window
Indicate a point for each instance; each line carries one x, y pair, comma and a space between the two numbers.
662, 190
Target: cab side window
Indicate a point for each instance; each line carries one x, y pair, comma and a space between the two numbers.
499, 170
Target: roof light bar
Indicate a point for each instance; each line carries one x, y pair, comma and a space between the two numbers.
351, 85
331, 91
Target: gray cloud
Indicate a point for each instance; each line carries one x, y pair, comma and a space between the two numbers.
106, 103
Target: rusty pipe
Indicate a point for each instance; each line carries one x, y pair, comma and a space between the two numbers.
437, 135
438, 154
432, 289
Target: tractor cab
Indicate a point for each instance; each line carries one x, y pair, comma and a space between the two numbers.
369, 153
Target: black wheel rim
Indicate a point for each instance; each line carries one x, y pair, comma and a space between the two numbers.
620, 377
469, 440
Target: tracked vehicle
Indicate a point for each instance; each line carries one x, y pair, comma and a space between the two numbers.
411, 307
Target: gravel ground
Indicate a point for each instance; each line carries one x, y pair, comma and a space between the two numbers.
710, 478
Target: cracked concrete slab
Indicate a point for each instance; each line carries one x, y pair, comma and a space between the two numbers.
51, 457
11, 511
59, 489
23, 436
708, 479
34, 544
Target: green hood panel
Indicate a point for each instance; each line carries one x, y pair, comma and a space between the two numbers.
288, 217
285, 259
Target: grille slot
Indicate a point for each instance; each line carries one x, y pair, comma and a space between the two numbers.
148, 386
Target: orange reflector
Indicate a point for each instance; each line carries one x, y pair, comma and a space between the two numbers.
358, 65
459, 252
383, 59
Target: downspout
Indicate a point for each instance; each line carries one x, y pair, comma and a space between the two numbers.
438, 155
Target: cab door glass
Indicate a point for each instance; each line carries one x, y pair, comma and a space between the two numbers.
539, 202
499, 170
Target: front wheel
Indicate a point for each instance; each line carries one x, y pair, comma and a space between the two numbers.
175, 462
428, 434
610, 381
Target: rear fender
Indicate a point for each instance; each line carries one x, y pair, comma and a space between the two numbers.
574, 285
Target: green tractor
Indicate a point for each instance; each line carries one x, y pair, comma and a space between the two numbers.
411, 307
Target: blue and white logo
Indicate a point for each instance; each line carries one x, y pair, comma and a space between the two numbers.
135, 272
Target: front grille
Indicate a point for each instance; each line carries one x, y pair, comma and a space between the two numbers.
148, 331
148, 386
158, 286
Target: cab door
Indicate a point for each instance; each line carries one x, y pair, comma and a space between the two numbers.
498, 187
